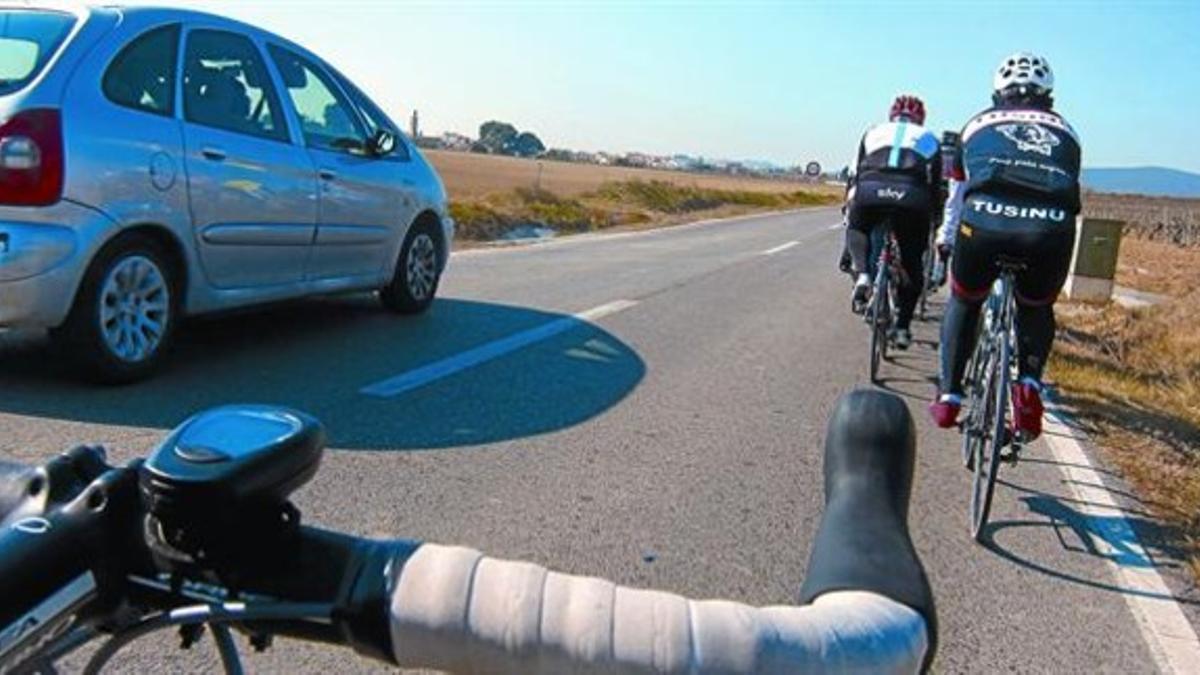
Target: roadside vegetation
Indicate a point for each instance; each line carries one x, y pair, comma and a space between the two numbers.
1163, 219
1133, 375
472, 175
614, 204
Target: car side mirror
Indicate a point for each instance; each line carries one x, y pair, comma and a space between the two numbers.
382, 143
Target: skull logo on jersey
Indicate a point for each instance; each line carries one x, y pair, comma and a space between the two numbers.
1030, 137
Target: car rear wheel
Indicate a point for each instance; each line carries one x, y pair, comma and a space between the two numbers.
123, 319
417, 274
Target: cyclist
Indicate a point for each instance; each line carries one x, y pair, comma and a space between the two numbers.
897, 175
1014, 193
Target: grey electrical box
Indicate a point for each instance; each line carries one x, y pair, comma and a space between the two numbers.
1094, 265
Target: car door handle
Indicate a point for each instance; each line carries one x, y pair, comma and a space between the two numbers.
215, 154
327, 174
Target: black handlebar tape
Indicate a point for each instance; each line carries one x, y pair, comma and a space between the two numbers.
356, 576
863, 541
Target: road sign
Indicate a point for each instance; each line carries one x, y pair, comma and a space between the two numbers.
813, 169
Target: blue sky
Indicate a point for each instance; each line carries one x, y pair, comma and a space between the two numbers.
784, 81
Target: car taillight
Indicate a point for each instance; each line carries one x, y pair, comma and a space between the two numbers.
31, 158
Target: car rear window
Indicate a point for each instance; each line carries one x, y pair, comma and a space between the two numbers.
28, 38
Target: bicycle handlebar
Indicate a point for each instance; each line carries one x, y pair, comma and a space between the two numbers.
459, 611
866, 603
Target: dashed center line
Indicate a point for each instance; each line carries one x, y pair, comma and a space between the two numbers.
419, 377
780, 248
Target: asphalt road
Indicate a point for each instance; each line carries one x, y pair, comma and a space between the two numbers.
674, 442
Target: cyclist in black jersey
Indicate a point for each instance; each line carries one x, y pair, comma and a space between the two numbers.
897, 178
1013, 194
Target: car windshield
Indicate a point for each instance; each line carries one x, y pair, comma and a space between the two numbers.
28, 38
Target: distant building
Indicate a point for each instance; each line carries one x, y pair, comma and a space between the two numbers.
457, 142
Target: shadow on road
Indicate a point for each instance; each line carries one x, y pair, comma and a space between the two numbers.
316, 355
910, 373
1137, 540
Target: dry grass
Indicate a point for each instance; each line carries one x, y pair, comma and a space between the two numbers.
469, 175
1158, 267
490, 195
1134, 377
615, 204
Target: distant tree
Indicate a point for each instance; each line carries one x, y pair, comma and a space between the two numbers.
526, 144
560, 154
498, 137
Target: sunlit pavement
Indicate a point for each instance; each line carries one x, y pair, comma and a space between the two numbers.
670, 440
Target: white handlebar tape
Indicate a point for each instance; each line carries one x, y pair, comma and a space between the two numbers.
454, 609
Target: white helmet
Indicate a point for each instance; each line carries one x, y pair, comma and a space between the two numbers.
1024, 69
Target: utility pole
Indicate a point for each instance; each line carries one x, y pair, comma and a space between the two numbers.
415, 126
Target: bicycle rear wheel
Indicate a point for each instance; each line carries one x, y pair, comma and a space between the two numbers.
878, 316
991, 442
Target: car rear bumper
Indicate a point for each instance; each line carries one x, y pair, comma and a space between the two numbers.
42, 262
37, 302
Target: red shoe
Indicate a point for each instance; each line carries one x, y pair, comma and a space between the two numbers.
1027, 410
944, 411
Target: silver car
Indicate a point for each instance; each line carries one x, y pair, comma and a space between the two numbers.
157, 163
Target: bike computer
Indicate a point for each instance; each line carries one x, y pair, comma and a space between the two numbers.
232, 458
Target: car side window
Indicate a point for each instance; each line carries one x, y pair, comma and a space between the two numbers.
327, 118
142, 76
226, 86
374, 118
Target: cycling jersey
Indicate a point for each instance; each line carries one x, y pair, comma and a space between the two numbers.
897, 166
1016, 169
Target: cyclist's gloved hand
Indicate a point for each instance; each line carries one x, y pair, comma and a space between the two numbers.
939, 266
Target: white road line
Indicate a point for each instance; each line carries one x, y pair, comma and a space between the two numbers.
1167, 632
419, 377
835, 226
780, 248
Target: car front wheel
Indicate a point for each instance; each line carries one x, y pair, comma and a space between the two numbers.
124, 315
418, 271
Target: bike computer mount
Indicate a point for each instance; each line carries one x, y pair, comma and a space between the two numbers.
216, 490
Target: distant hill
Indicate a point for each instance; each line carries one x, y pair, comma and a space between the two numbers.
1146, 180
